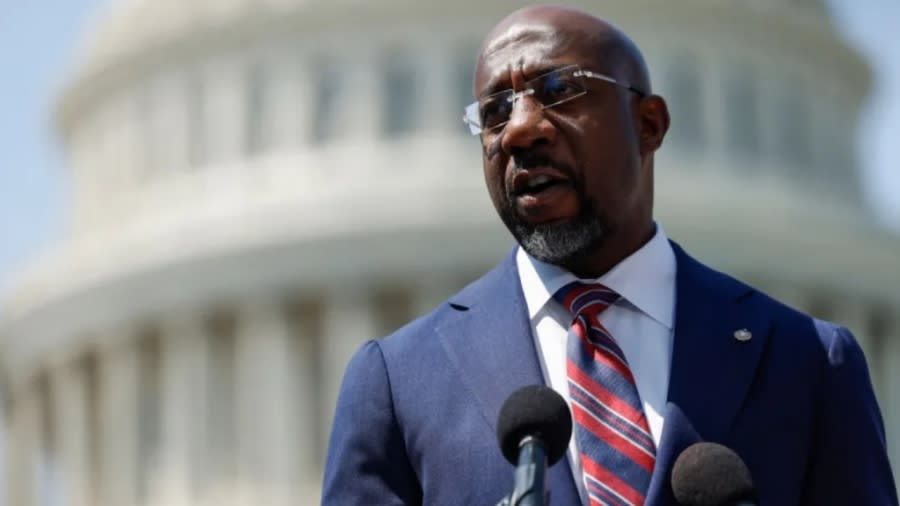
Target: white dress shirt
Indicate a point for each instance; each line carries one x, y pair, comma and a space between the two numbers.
641, 322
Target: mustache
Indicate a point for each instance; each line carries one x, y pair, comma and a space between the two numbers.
527, 160
524, 159
535, 159
531, 159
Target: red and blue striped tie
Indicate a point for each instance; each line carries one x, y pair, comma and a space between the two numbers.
615, 447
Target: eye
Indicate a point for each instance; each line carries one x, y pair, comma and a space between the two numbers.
556, 88
495, 111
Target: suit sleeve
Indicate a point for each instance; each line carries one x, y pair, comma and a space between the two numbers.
849, 462
367, 461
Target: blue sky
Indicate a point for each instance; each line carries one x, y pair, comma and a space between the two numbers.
37, 38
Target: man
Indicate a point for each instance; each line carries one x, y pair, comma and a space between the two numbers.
652, 350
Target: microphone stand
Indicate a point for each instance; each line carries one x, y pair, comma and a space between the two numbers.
530, 487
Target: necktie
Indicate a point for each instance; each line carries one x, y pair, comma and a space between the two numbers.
615, 447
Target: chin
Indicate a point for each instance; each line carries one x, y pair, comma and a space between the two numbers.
560, 242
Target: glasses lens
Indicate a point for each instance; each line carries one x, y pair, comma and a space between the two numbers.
550, 89
495, 109
472, 118
558, 86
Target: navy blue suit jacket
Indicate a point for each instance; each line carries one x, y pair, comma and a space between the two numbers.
417, 411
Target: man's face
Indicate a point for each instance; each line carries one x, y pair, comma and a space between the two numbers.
565, 180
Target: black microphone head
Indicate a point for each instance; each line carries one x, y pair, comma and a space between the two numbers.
536, 411
709, 474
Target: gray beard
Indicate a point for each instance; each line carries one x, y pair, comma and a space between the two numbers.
558, 243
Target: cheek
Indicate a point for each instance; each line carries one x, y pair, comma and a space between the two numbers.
493, 178
610, 169
609, 153
609, 131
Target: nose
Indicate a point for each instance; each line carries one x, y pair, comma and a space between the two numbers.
528, 125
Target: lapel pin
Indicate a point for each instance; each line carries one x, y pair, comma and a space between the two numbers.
743, 335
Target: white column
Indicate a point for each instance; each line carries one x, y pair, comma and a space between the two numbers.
109, 171
310, 434
95, 206
118, 398
113, 144
265, 405
172, 147
79, 157
304, 85
348, 321
23, 446
284, 101
434, 71
68, 387
218, 463
769, 118
362, 97
225, 112
712, 97
183, 350
444, 68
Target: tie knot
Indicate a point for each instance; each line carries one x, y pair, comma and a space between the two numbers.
590, 299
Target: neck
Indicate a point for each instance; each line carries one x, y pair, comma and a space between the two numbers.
608, 254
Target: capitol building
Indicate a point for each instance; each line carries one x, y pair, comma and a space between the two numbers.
260, 186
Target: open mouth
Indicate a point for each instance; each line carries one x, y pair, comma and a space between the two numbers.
542, 194
538, 184
535, 182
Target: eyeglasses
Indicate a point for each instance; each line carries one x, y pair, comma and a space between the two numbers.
550, 90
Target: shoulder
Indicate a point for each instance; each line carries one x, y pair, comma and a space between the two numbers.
421, 332
826, 345
813, 380
792, 327
837, 341
694, 278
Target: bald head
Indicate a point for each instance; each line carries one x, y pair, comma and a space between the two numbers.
594, 42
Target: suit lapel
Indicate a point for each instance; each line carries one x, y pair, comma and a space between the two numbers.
678, 434
491, 345
490, 342
711, 369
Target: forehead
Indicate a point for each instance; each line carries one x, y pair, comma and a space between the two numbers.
529, 49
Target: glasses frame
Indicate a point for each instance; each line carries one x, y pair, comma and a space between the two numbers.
472, 112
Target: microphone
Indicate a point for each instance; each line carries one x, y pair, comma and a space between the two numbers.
709, 474
533, 430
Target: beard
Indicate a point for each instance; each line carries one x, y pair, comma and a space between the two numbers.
562, 243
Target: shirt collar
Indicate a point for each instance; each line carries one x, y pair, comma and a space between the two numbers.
646, 279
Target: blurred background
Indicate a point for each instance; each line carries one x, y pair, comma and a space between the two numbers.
207, 205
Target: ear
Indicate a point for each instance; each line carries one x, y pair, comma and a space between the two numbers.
653, 115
